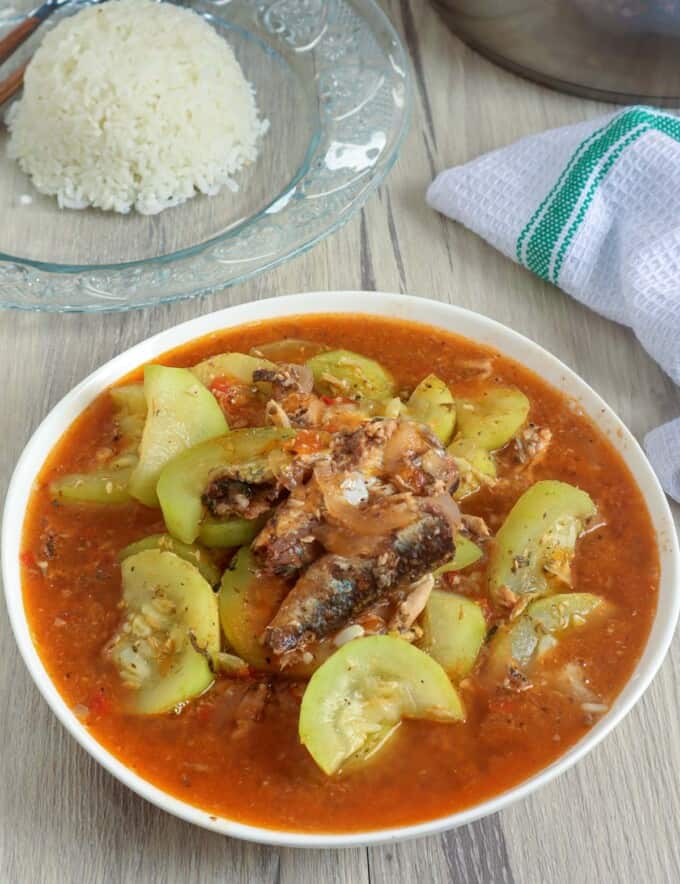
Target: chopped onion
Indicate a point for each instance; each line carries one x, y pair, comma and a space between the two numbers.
546, 643
594, 707
414, 604
380, 518
305, 378
404, 443
571, 679
347, 634
230, 664
448, 508
436, 464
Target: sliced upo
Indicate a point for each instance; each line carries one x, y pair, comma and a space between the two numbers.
109, 483
492, 418
236, 366
242, 455
476, 466
169, 632
181, 413
536, 543
431, 403
466, 553
130, 414
294, 350
230, 532
247, 602
454, 629
363, 690
129, 398
485, 423
103, 486
192, 553
538, 630
344, 373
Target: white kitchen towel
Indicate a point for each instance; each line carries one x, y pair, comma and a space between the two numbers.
595, 209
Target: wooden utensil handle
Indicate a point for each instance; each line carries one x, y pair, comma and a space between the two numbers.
12, 84
16, 37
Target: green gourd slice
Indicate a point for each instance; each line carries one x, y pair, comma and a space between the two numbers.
454, 629
467, 553
238, 366
103, 486
476, 466
431, 403
539, 628
241, 453
130, 417
181, 413
536, 543
191, 553
493, 418
363, 690
110, 483
294, 350
344, 373
170, 630
129, 398
228, 533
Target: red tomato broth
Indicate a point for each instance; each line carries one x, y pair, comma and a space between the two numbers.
266, 777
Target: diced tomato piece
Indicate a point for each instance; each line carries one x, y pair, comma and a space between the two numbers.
205, 712
99, 703
221, 385
27, 559
336, 400
504, 704
308, 441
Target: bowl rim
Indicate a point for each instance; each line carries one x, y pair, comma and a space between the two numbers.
420, 310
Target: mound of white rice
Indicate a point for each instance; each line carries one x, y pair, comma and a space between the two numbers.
133, 104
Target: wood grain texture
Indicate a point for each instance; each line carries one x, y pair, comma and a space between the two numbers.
611, 819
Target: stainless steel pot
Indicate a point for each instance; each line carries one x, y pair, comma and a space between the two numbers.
615, 50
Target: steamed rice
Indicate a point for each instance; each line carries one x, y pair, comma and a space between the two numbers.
133, 104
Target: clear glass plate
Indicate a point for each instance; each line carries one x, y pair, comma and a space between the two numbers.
332, 78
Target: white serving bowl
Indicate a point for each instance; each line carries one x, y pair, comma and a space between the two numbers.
444, 316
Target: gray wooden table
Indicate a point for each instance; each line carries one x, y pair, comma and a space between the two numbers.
614, 818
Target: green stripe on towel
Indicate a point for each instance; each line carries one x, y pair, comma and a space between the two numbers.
543, 243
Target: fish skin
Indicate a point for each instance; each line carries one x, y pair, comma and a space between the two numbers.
286, 378
226, 496
336, 588
322, 600
287, 544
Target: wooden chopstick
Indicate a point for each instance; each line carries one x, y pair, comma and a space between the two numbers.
11, 85
10, 43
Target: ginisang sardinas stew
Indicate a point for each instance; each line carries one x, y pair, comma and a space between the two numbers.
331, 573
